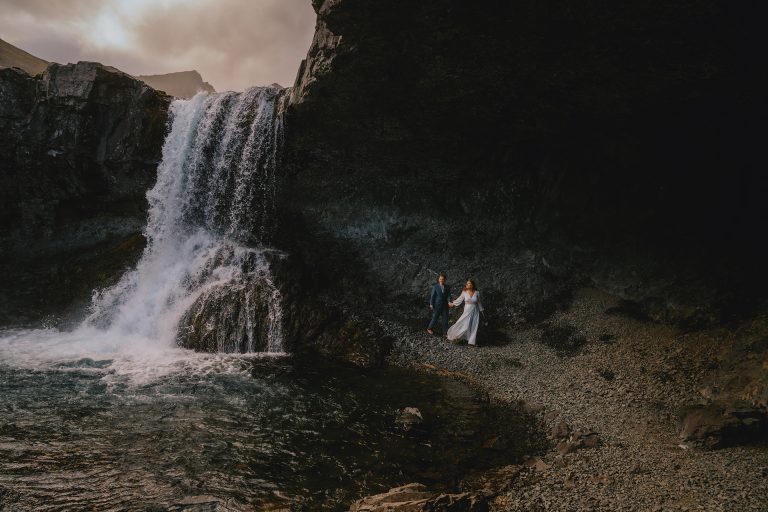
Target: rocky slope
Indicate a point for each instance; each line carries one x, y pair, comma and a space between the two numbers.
12, 57
612, 405
183, 84
80, 147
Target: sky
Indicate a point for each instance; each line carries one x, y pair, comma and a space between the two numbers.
234, 44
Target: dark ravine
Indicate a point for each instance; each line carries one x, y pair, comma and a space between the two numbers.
79, 150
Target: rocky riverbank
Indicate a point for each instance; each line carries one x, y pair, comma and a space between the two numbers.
612, 404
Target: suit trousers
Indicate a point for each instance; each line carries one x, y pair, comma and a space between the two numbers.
436, 314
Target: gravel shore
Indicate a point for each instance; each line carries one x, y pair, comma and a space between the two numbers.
626, 383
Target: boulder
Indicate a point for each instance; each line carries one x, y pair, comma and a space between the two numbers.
232, 317
408, 418
354, 340
579, 439
416, 498
724, 423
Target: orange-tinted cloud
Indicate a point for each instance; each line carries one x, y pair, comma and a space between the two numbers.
232, 43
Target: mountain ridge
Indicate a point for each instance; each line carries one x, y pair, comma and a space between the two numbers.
181, 84
14, 57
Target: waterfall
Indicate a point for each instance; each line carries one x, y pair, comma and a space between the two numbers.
204, 279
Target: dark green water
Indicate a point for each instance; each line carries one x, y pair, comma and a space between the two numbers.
236, 433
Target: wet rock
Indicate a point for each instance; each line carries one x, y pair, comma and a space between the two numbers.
724, 423
355, 341
233, 318
408, 418
417, 498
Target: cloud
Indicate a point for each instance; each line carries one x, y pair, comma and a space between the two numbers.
233, 43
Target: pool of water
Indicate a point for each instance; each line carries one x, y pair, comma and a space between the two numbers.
233, 432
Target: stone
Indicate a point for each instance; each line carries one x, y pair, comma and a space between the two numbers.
231, 318
560, 430
417, 498
579, 439
408, 417
355, 341
724, 423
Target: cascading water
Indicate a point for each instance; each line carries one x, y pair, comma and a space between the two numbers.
115, 416
200, 280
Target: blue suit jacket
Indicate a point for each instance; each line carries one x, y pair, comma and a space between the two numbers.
439, 299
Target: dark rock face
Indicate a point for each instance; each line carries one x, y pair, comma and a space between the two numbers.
80, 147
354, 340
532, 146
229, 318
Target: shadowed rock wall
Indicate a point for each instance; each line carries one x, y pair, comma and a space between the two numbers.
79, 150
535, 146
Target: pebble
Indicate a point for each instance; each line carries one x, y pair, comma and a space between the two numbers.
639, 464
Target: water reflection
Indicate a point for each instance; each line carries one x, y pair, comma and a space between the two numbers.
239, 434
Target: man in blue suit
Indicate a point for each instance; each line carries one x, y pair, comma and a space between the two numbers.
439, 302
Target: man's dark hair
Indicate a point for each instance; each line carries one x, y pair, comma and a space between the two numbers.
442, 274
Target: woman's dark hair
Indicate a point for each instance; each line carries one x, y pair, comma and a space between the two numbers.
474, 286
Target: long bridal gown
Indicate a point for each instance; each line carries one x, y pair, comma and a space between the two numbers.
467, 324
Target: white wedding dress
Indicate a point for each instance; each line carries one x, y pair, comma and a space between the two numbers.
467, 324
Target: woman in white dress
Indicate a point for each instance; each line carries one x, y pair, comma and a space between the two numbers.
467, 324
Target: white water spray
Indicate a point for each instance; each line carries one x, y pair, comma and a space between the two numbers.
215, 191
204, 272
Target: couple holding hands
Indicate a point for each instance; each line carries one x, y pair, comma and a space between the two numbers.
467, 324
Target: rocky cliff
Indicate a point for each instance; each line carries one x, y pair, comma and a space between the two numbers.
534, 146
79, 150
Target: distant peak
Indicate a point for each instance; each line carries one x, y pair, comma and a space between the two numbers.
13, 57
182, 84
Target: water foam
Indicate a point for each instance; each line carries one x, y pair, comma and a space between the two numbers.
210, 210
